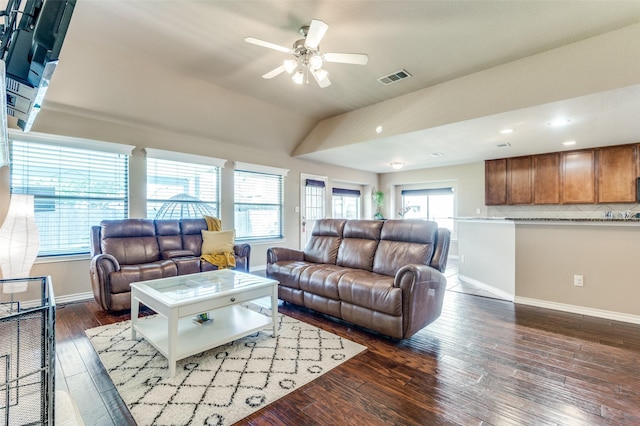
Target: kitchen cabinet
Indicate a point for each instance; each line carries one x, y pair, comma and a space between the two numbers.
495, 182
546, 178
519, 180
578, 177
616, 172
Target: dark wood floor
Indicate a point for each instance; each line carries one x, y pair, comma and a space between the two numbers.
484, 361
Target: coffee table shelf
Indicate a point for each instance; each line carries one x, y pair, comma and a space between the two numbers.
230, 323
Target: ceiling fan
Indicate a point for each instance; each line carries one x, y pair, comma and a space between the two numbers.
307, 58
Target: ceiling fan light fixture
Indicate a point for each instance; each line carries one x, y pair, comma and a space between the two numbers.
290, 65
298, 77
315, 61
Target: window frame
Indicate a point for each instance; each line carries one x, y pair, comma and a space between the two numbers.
51, 202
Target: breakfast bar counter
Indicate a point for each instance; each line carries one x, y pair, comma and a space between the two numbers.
541, 261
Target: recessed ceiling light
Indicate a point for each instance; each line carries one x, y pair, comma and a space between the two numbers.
568, 143
559, 122
397, 165
379, 129
506, 131
437, 154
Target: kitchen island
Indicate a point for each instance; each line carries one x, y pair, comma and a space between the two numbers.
536, 260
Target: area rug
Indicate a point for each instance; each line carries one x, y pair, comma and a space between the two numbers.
222, 385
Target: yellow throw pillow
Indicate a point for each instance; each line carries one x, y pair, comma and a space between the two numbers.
217, 242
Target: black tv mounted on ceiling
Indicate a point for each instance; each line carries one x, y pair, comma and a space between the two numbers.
30, 43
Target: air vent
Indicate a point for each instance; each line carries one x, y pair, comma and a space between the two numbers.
393, 77
503, 145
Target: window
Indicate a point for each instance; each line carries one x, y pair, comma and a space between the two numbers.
314, 199
74, 188
258, 202
182, 185
431, 204
346, 203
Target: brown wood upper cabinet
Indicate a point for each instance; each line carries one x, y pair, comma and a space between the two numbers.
578, 177
519, 180
546, 178
495, 182
588, 176
617, 174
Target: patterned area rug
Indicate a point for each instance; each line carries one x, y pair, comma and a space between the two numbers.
222, 385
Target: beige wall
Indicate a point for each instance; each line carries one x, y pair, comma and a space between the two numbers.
467, 181
72, 277
547, 257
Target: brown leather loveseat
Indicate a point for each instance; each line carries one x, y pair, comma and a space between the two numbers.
130, 250
386, 276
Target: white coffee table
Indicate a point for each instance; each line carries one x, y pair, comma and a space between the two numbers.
178, 300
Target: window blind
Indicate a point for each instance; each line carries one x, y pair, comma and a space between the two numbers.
346, 192
431, 191
73, 189
258, 205
177, 189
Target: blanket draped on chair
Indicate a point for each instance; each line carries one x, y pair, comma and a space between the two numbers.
221, 260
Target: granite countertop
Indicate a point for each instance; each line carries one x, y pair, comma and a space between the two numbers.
573, 219
554, 219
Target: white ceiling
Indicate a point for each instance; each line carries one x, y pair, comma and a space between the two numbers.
116, 51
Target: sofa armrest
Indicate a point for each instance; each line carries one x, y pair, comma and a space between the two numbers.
172, 254
441, 250
243, 256
423, 289
278, 254
101, 266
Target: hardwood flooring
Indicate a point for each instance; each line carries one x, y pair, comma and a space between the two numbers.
484, 361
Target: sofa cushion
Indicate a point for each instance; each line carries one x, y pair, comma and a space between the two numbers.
168, 234
370, 290
120, 280
359, 244
325, 239
130, 241
287, 272
191, 230
322, 280
404, 242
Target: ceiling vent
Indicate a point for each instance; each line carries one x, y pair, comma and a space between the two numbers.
393, 77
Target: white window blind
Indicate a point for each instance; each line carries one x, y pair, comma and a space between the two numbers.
259, 205
346, 203
74, 188
177, 189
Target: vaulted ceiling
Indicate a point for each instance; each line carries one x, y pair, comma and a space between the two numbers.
477, 67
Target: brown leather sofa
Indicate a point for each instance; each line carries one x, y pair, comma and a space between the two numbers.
130, 250
386, 276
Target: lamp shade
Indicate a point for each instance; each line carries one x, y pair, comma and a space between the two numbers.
19, 241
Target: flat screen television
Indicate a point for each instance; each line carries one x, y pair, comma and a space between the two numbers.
30, 45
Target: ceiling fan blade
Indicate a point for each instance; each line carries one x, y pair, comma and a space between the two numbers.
274, 72
347, 58
317, 30
268, 45
324, 82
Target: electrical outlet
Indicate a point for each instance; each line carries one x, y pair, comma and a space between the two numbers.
578, 280
462, 258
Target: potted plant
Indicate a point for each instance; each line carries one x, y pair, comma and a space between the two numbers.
378, 200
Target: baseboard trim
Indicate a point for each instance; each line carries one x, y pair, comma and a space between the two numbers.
581, 310
498, 292
76, 297
60, 300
